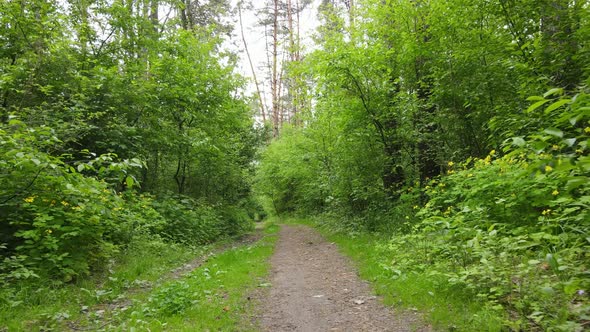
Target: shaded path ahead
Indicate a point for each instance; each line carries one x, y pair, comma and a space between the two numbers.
314, 288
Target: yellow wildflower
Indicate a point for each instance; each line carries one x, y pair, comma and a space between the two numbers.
548, 168
450, 163
416, 207
555, 192
450, 171
546, 212
448, 211
64, 203
493, 152
30, 199
555, 147
469, 175
48, 231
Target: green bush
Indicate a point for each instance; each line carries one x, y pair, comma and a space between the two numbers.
65, 219
54, 220
514, 229
187, 221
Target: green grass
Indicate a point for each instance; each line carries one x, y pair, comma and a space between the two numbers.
138, 274
42, 304
212, 297
445, 307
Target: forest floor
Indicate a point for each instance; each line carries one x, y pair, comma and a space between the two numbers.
315, 288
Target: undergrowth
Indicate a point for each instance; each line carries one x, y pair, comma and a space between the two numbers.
143, 284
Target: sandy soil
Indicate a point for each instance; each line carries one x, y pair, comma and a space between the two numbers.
315, 288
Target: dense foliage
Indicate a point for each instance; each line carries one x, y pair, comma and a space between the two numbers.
462, 128
116, 124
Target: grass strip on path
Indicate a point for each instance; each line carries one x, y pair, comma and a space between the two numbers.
211, 297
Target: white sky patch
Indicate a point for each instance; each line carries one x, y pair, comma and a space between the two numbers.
256, 40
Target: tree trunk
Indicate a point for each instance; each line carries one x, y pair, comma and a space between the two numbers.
262, 106
275, 77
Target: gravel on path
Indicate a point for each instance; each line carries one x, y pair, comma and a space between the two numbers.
315, 288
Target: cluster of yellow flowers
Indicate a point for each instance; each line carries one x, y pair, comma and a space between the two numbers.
30, 199
546, 212
448, 211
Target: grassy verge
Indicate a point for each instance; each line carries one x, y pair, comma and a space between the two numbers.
133, 291
212, 297
445, 307
43, 305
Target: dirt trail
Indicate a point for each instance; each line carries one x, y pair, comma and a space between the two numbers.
314, 288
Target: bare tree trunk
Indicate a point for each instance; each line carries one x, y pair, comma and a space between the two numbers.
280, 93
275, 81
300, 101
154, 14
292, 85
183, 9
262, 109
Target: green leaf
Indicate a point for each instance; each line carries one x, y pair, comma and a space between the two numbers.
80, 167
129, 181
570, 142
536, 105
550, 258
554, 132
518, 141
556, 105
553, 91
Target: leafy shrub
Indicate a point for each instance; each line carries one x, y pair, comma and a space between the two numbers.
234, 220
187, 221
53, 218
514, 229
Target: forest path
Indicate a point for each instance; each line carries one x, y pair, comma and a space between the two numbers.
315, 288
